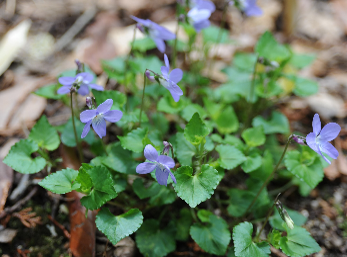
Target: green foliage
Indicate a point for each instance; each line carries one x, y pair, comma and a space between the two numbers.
19, 158
118, 227
143, 44
274, 238
298, 242
305, 166
135, 140
168, 105
145, 192
244, 246
304, 87
240, 200
227, 121
251, 163
183, 224
189, 110
154, 241
269, 48
213, 237
61, 182
68, 137
49, 92
245, 61
119, 99
44, 135
184, 150
302, 60
196, 130
103, 187
196, 188
120, 159
254, 136
213, 34
278, 123
229, 156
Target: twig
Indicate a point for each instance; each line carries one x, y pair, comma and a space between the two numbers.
277, 252
66, 233
79, 24
22, 186
19, 204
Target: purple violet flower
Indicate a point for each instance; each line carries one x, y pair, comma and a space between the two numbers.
98, 117
203, 4
199, 18
155, 32
170, 79
319, 139
250, 7
81, 82
160, 163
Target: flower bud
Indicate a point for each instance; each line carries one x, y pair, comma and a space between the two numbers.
167, 147
284, 215
89, 102
140, 27
181, 18
80, 66
148, 75
299, 139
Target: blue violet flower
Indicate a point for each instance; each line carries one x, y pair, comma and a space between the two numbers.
155, 32
98, 117
81, 82
160, 163
319, 139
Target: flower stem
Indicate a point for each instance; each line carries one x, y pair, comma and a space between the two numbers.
74, 129
267, 217
128, 57
174, 54
143, 95
219, 36
269, 177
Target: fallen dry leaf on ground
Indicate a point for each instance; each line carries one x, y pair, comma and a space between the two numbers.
82, 228
7, 235
12, 43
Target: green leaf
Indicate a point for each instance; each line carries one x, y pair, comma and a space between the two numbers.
194, 189
310, 172
45, 135
134, 140
204, 215
277, 124
305, 87
155, 241
119, 99
240, 200
120, 160
266, 167
184, 150
183, 225
140, 64
103, 188
276, 220
229, 156
142, 192
244, 246
143, 44
245, 61
274, 238
166, 195
49, 92
196, 130
118, 227
189, 110
298, 242
61, 182
19, 158
254, 136
168, 105
131, 117
213, 237
268, 47
302, 60
215, 35
251, 163
114, 68
84, 180
227, 121
68, 136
